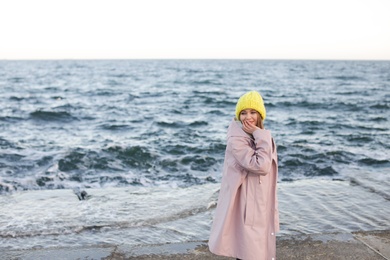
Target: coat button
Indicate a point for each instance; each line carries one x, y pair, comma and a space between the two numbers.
272, 234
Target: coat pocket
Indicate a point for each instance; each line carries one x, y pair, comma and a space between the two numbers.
250, 203
255, 204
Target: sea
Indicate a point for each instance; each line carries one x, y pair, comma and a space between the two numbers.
109, 152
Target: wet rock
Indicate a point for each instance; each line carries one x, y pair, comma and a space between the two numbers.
81, 194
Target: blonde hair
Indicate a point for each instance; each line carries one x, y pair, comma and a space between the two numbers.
260, 121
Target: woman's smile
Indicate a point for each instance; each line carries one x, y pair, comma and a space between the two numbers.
249, 116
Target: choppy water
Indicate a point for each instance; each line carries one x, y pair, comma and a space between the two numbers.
121, 128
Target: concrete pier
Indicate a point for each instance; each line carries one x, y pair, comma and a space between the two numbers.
370, 245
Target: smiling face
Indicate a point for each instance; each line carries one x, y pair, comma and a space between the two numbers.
251, 116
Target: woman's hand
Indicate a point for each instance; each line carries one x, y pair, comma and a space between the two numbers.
248, 127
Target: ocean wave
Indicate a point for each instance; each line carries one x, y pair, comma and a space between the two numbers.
169, 124
323, 106
350, 78
208, 93
359, 138
381, 106
198, 123
132, 209
14, 98
374, 162
120, 75
116, 127
206, 82
62, 116
16, 79
297, 169
11, 119
198, 162
4, 144
378, 119
308, 163
137, 156
113, 166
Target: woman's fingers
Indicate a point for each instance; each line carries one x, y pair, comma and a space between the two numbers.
248, 127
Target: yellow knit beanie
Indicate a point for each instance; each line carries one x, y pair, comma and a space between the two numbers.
252, 100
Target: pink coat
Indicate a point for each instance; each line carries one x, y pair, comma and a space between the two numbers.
246, 218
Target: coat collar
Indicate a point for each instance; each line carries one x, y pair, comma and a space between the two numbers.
235, 130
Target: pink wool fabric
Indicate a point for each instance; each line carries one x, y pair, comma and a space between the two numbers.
246, 218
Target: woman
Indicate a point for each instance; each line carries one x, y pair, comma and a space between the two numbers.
246, 218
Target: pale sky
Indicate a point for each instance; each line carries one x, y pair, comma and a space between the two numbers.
195, 29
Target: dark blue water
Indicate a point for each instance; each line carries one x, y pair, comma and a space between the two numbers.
146, 140
68, 124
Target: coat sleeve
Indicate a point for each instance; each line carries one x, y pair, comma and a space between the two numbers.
258, 160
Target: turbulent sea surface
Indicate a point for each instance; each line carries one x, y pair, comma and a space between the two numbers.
146, 140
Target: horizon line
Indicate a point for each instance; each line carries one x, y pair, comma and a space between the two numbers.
249, 59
